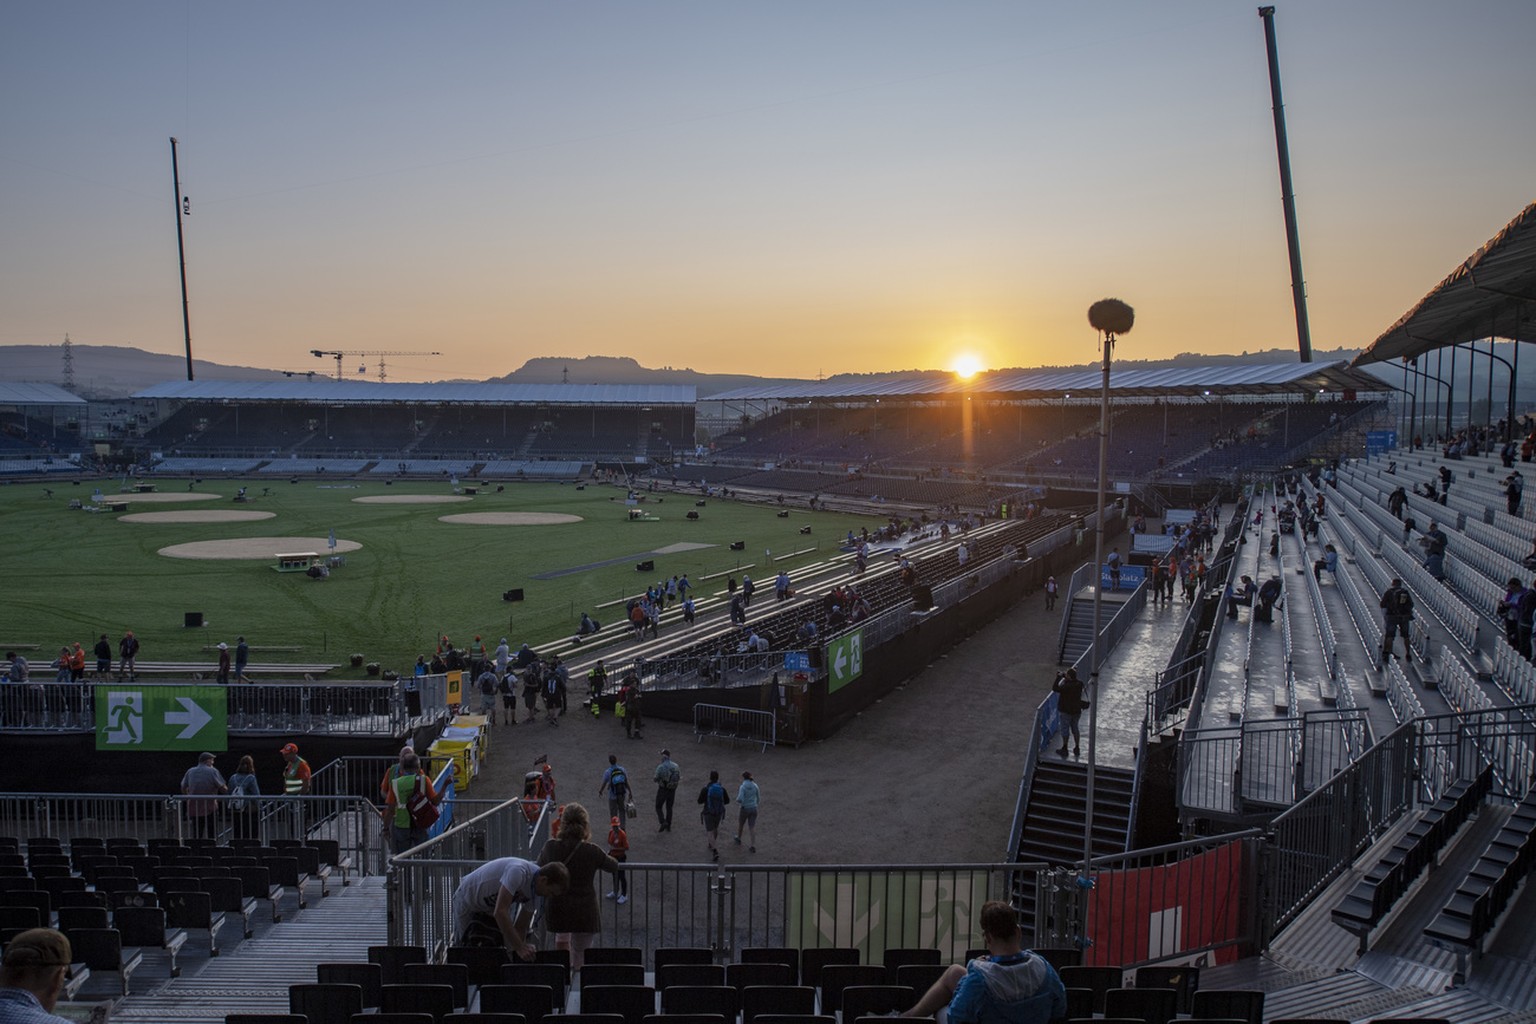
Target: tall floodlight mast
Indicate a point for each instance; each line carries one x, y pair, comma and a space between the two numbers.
1287, 192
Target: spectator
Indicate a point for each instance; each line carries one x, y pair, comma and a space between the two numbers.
493, 904
1011, 985
616, 784
668, 776
225, 663
1269, 594
103, 652
618, 849
404, 830
747, 797
1514, 490
1508, 610
1397, 618
242, 659
712, 800
32, 976
573, 915
629, 700
1328, 563
244, 789
587, 627
1051, 586
1069, 706
1434, 543
128, 650
203, 781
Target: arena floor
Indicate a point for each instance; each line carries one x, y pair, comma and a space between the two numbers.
930, 774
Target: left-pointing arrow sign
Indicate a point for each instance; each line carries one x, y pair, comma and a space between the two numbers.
193, 718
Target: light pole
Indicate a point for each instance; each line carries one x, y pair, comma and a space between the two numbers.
1110, 317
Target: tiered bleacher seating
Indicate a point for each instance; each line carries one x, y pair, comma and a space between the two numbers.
1471, 913
1390, 878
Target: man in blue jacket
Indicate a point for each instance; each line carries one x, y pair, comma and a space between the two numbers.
1012, 985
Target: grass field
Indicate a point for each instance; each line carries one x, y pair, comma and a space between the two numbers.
71, 575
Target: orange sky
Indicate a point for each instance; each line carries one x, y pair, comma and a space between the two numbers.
785, 189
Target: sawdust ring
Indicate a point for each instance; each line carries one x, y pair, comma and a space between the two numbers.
256, 548
197, 515
511, 518
411, 499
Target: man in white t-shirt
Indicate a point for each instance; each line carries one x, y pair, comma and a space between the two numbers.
497, 898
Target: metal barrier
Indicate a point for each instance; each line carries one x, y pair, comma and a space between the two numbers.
725, 909
422, 879
721, 722
352, 822
370, 709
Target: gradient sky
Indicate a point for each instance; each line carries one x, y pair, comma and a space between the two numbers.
785, 188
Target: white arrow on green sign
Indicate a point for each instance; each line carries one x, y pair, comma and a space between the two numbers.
845, 660
149, 717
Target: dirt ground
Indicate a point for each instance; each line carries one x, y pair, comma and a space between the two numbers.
510, 518
411, 499
197, 515
255, 547
928, 775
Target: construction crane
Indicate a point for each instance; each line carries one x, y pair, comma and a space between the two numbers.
339, 355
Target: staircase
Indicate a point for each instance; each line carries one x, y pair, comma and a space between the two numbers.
254, 975
1079, 634
1055, 818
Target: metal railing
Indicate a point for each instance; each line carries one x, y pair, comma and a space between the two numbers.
422, 879
371, 709
352, 822
718, 721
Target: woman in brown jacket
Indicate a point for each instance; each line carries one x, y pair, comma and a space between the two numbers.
575, 917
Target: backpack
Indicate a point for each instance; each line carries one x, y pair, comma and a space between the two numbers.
618, 783
1402, 603
487, 684
714, 800
419, 807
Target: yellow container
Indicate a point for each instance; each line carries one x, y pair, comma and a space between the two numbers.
480, 723
466, 764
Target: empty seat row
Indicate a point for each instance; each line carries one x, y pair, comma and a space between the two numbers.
1475, 906
1390, 878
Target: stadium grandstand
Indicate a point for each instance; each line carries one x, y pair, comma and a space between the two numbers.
1272, 819
39, 429
343, 428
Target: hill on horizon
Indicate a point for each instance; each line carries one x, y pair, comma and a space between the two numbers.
115, 371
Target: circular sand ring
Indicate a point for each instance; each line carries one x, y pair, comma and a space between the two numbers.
197, 515
411, 499
510, 518
162, 498
256, 548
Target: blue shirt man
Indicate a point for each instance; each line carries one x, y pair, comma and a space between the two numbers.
1012, 985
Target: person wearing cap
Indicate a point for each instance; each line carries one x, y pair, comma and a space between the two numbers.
295, 771
203, 781
32, 977
224, 663
404, 834
747, 797
668, 776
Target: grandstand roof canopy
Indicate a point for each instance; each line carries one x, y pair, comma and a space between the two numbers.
1187, 381
37, 394
1492, 293
336, 392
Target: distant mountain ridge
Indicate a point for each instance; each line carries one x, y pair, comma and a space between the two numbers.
112, 371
